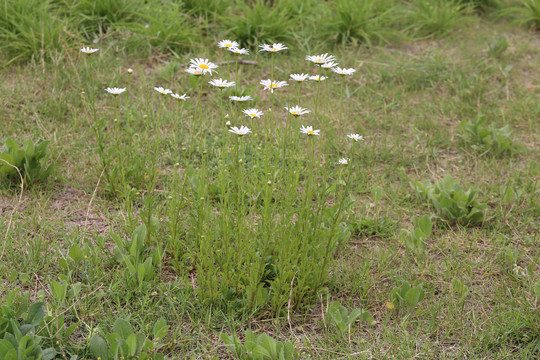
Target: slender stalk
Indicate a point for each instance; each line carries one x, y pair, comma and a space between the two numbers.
341, 99
317, 97
220, 107
116, 120
336, 220
236, 78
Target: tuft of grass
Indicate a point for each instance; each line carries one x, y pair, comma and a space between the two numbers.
31, 30
260, 23
164, 28
524, 12
208, 9
360, 22
436, 18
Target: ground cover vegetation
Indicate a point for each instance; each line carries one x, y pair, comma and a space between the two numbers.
339, 180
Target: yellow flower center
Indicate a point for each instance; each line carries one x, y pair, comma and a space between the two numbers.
311, 132
228, 45
204, 66
252, 115
294, 112
273, 48
273, 86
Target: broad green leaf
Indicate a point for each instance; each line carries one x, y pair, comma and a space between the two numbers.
122, 328
98, 347
76, 253
59, 290
132, 344
160, 329
35, 314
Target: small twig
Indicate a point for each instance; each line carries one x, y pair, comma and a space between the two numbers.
14, 209
92, 198
289, 303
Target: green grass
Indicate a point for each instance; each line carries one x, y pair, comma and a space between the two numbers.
164, 222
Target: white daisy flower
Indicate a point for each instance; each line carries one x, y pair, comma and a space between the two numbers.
297, 110
194, 71
130, 71
163, 91
240, 98
253, 113
343, 161
203, 64
320, 59
179, 97
271, 85
355, 137
343, 71
308, 130
317, 78
329, 65
220, 83
240, 131
88, 50
272, 48
227, 44
228, 124
299, 77
115, 91
238, 51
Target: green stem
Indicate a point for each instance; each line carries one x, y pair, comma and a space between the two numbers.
317, 97
336, 220
341, 100
236, 78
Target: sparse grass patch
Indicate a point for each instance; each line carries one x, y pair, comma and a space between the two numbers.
163, 229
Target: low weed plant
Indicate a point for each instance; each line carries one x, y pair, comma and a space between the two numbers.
32, 160
342, 319
451, 201
487, 138
257, 347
